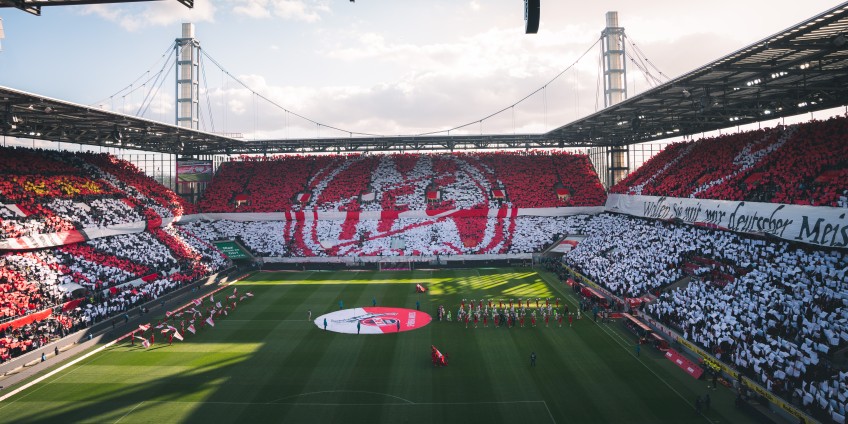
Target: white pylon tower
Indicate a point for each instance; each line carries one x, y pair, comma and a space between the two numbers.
615, 91
187, 86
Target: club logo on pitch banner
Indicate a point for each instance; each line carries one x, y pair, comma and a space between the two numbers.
373, 320
379, 321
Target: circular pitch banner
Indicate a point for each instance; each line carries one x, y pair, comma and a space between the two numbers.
373, 320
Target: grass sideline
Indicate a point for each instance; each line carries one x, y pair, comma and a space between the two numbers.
266, 362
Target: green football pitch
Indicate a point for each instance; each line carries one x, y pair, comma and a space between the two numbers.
266, 362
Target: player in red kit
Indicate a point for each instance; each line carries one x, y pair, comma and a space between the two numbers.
547, 318
570, 319
559, 319
485, 320
475, 320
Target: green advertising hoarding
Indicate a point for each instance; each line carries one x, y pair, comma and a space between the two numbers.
231, 249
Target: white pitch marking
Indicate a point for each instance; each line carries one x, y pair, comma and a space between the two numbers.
549, 412
342, 391
613, 335
63, 367
129, 412
52, 373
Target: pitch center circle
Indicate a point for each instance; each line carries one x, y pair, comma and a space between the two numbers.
373, 320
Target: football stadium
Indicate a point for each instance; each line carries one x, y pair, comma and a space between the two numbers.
453, 216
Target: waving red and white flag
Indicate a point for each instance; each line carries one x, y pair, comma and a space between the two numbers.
210, 322
144, 342
177, 334
197, 302
191, 328
249, 294
144, 327
168, 314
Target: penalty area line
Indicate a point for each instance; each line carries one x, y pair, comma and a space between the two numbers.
342, 391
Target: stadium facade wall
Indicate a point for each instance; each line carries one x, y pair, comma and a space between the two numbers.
818, 225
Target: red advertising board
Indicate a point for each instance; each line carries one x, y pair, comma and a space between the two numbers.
685, 364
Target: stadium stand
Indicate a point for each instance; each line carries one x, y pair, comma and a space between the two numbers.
101, 278
48, 191
403, 182
805, 164
404, 237
776, 311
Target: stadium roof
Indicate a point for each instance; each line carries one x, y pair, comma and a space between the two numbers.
34, 6
801, 69
27, 115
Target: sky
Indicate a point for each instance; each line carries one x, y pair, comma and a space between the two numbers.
373, 66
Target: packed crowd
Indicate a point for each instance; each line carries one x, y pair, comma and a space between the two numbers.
631, 256
804, 164
780, 323
45, 191
402, 182
399, 237
105, 276
776, 311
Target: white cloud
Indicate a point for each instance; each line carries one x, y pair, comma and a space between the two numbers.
253, 8
496, 51
474, 5
296, 10
138, 16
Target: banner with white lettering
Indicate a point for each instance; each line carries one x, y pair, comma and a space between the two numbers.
819, 225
